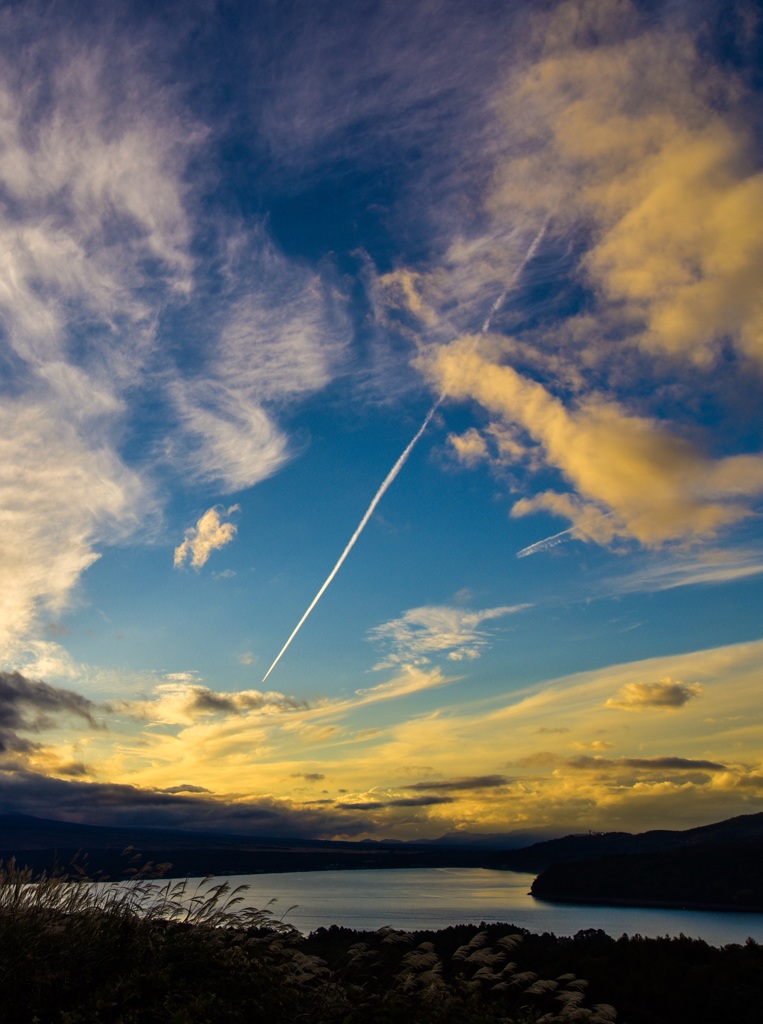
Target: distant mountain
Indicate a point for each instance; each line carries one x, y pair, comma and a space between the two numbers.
595, 845
45, 845
515, 840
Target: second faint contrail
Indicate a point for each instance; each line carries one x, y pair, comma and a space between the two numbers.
361, 526
515, 276
557, 538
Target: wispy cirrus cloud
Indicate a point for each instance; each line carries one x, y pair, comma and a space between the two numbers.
422, 633
711, 566
107, 310
77, 327
279, 334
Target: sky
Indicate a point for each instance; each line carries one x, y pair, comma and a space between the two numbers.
466, 297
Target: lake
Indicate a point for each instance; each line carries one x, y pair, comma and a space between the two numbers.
433, 898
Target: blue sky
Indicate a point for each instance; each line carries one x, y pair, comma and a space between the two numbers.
247, 249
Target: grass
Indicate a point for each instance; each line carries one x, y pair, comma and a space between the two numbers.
74, 951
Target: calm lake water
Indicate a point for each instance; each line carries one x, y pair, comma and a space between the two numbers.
411, 898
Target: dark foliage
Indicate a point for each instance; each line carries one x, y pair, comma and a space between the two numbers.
72, 952
75, 953
728, 876
649, 980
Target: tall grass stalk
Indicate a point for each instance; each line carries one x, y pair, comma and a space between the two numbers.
78, 951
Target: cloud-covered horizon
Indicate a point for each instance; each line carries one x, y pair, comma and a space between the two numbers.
244, 757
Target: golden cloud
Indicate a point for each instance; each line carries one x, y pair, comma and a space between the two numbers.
634, 137
210, 534
656, 486
663, 694
470, 447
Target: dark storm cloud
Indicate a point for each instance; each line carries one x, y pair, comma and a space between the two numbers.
468, 782
193, 701
403, 801
648, 763
27, 705
205, 700
24, 792
420, 801
186, 788
75, 769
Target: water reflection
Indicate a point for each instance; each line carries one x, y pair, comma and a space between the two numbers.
411, 898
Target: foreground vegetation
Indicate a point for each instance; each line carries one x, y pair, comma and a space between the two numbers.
76, 953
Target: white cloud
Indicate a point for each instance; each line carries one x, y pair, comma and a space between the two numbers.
437, 629
280, 337
96, 267
61, 493
209, 534
710, 566
412, 679
77, 328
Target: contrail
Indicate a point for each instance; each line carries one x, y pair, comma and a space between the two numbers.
404, 457
515, 276
557, 538
361, 526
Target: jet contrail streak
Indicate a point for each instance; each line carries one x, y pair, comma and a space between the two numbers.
551, 542
515, 276
403, 458
361, 526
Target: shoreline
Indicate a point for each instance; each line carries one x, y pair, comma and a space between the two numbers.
643, 904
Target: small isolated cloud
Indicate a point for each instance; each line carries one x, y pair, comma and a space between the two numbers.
402, 801
309, 776
470, 448
420, 801
467, 783
208, 535
183, 703
185, 787
594, 745
437, 629
74, 769
673, 763
361, 805
656, 764
664, 694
